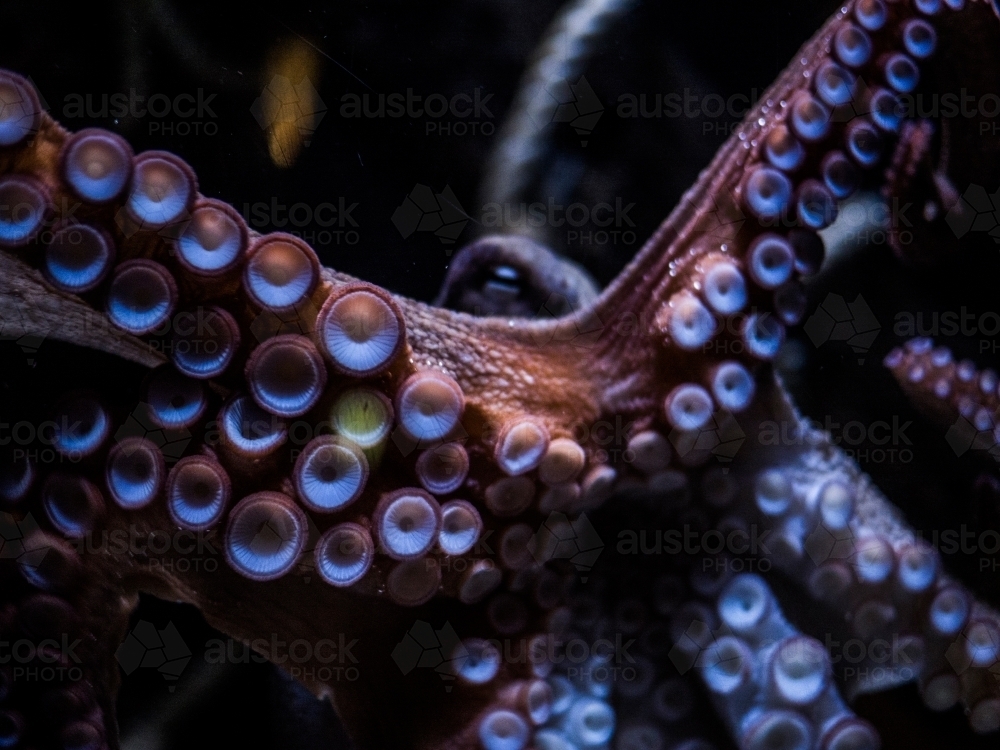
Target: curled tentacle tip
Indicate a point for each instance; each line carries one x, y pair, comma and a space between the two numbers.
360, 328
265, 535
97, 165
280, 272
163, 189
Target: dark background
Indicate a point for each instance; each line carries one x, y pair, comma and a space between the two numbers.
230, 51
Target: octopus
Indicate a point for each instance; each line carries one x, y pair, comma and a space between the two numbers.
530, 533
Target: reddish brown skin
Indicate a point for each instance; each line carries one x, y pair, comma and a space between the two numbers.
613, 359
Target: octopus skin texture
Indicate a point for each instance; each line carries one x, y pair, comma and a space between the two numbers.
394, 473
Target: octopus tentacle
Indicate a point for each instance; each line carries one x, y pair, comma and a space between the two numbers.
448, 426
